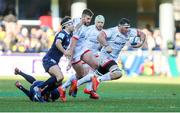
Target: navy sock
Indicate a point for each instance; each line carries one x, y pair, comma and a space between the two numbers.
27, 92
29, 78
49, 88
48, 82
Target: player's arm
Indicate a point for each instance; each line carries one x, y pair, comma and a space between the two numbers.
142, 37
59, 45
72, 44
102, 40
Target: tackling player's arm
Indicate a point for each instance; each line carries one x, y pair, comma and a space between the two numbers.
102, 40
60, 48
142, 37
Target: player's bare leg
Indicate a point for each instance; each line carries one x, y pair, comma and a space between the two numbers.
113, 74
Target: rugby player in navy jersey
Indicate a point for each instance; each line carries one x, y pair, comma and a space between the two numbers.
52, 58
48, 97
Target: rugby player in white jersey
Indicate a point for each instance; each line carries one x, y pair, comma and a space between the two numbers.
93, 45
80, 51
113, 40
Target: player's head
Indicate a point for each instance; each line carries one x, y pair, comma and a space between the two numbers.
67, 24
87, 15
123, 25
99, 22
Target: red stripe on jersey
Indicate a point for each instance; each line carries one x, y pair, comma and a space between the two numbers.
75, 37
76, 62
85, 52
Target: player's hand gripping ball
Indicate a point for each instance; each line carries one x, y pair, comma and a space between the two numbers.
134, 40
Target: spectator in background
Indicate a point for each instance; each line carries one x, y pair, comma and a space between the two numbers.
10, 26
2, 37
158, 39
150, 43
148, 27
34, 41
43, 39
50, 35
177, 41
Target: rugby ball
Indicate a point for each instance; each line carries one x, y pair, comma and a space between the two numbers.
134, 40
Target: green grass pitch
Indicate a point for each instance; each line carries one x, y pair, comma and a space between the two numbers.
127, 95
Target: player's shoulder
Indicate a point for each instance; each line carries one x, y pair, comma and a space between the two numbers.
112, 28
132, 31
91, 27
61, 34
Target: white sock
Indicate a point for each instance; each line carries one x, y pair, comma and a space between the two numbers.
105, 77
85, 79
89, 86
68, 82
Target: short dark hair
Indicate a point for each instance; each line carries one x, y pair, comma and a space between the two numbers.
87, 12
124, 22
64, 20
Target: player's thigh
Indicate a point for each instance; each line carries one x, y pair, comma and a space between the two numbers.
90, 59
56, 71
78, 67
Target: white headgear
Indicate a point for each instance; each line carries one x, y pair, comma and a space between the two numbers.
99, 18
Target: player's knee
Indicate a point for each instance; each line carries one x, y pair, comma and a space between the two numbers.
116, 74
59, 78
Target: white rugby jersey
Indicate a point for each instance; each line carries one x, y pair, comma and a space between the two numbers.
117, 41
76, 21
80, 35
91, 39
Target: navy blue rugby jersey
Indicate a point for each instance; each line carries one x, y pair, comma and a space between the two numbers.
54, 52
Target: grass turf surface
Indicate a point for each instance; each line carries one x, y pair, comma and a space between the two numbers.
131, 95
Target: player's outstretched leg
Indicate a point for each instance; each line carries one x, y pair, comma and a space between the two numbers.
24, 90
29, 78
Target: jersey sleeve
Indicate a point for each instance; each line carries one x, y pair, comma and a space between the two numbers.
60, 36
133, 32
88, 32
108, 32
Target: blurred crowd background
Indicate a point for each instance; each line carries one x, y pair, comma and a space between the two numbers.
15, 37
28, 27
